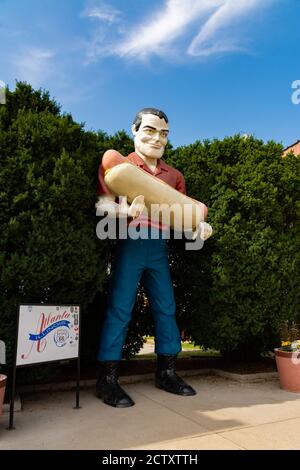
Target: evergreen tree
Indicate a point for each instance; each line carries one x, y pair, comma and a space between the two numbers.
48, 248
233, 293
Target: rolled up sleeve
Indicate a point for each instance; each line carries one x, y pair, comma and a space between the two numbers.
180, 183
101, 186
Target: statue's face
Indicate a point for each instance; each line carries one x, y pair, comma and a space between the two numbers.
151, 137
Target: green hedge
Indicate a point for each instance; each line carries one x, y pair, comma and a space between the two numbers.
48, 249
231, 295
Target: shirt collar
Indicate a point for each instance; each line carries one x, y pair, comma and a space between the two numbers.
137, 160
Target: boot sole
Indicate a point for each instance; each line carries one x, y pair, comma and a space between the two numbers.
120, 406
112, 404
175, 393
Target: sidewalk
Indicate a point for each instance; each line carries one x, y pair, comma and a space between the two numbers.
223, 415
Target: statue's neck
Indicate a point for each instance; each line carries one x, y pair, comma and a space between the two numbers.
150, 162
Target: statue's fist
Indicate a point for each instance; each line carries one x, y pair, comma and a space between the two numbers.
204, 229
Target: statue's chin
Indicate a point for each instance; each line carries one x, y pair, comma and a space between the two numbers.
153, 153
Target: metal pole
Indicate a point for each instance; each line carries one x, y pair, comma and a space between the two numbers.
78, 364
78, 384
12, 399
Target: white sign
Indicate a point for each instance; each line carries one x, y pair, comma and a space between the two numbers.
2, 353
47, 333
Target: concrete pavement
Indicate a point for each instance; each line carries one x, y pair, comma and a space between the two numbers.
223, 415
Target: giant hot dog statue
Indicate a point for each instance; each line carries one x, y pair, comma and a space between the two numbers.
162, 202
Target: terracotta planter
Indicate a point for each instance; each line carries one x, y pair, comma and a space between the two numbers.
288, 365
2, 390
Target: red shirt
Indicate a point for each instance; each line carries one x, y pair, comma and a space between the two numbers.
164, 172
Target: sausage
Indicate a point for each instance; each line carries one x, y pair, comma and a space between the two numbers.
163, 202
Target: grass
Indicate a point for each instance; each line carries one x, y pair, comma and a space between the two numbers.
188, 349
189, 353
187, 346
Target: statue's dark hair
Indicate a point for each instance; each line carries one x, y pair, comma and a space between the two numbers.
138, 118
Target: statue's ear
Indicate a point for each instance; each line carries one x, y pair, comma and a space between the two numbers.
133, 129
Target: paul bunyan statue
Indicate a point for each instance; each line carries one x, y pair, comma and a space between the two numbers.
147, 181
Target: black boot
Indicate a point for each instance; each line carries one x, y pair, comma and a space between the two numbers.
168, 380
108, 387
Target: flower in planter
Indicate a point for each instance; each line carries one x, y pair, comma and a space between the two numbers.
295, 345
288, 357
290, 346
289, 334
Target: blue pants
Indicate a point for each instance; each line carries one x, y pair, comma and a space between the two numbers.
134, 259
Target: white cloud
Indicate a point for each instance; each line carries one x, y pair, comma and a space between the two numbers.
102, 12
159, 33
211, 38
33, 65
165, 26
106, 15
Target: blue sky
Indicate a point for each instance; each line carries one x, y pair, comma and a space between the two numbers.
216, 67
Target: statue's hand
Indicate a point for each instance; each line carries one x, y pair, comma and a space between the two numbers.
137, 206
204, 230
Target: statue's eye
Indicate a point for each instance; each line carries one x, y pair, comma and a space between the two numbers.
150, 131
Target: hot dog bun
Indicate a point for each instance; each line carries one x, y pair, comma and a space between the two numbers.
163, 202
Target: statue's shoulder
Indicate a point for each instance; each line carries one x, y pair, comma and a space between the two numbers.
170, 168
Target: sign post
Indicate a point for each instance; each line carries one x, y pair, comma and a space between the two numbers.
46, 333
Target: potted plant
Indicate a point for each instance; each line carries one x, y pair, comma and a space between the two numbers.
288, 357
3, 377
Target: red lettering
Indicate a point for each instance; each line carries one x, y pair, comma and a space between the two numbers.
42, 323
